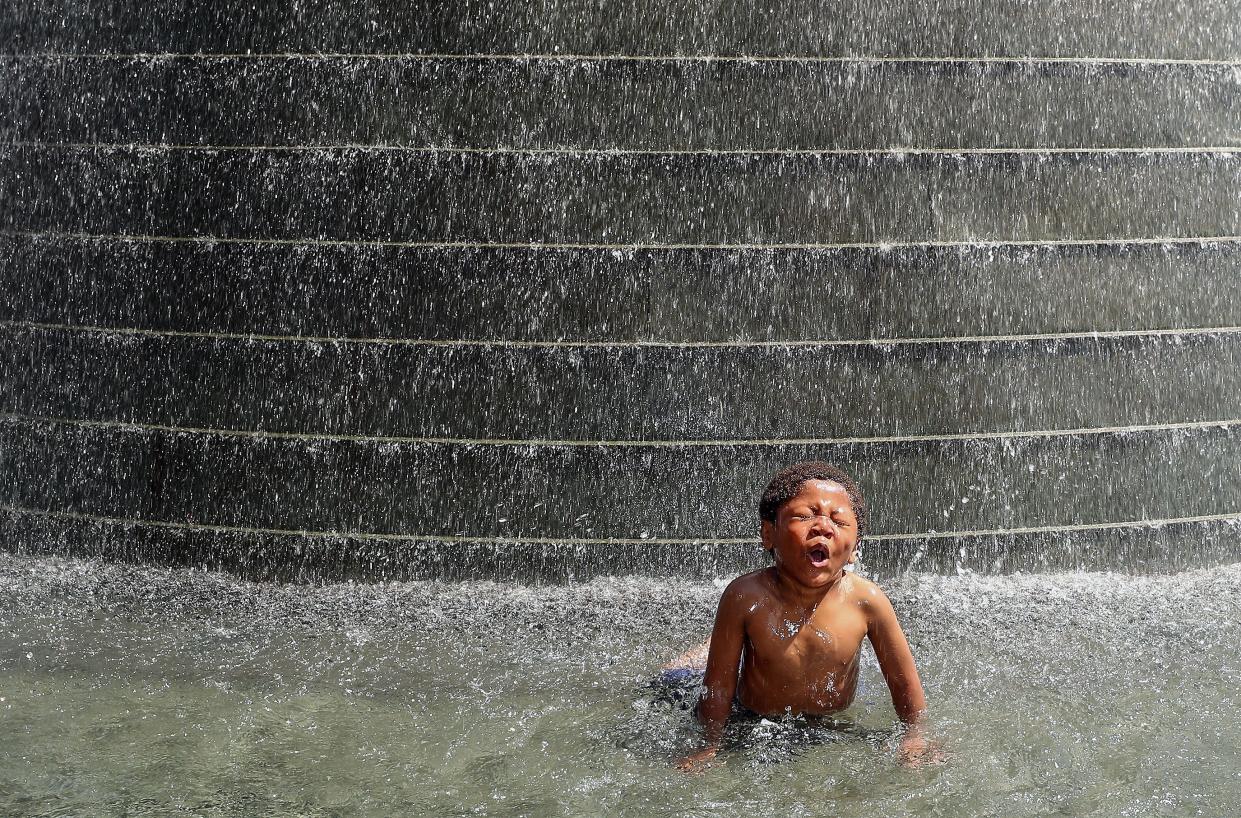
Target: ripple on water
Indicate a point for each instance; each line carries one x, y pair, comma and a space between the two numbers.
153, 689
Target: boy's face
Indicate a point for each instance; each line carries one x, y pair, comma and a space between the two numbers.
815, 533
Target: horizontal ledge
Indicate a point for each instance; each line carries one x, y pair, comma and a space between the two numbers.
15, 417
896, 152
963, 244
672, 58
368, 535
572, 344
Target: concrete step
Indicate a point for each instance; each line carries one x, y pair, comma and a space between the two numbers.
540, 294
311, 557
696, 492
620, 200
619, 104
619, 393
1160, 28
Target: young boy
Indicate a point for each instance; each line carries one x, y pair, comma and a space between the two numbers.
795, 629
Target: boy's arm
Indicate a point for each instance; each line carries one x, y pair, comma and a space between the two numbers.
896, 660
720, 681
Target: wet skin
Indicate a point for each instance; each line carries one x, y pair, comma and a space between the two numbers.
787, 639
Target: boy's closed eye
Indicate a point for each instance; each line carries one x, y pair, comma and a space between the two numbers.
805, 518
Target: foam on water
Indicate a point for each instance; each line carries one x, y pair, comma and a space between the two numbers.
1085, 694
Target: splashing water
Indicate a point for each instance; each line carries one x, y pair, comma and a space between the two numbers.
139, 688
541, 292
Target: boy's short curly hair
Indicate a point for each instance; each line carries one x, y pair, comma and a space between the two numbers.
788, 481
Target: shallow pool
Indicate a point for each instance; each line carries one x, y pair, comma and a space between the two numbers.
142, 691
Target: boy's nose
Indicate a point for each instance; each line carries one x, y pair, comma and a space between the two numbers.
824, 525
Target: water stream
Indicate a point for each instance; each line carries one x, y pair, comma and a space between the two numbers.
463, 337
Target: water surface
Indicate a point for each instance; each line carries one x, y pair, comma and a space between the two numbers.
144, 691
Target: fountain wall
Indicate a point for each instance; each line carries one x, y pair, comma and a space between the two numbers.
550, 291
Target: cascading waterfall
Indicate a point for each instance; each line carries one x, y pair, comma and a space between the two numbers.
513, 294
395, 308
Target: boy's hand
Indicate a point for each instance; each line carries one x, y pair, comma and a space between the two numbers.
698, 762
918, 751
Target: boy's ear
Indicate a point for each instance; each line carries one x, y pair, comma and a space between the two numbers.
765, 533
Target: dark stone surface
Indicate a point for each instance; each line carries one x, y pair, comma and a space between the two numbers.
600, 491
619, 393
643, 105
310, 240
309, 558
543, 294
349, 194
1164, 28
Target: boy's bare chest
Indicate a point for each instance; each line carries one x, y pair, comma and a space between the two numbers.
828, 636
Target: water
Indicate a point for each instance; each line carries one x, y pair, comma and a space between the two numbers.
141, 691
328, 292
509, 311
398, 100
970, 28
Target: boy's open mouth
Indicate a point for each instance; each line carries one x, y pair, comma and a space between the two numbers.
818, 557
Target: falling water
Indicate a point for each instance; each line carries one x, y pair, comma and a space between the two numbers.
516, 307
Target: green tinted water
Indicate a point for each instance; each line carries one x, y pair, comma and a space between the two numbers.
138, 691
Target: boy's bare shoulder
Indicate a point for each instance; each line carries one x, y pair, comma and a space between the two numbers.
748, 583
752, 586
865, 594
